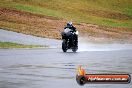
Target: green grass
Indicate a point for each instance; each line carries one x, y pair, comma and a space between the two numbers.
85, 11
4, 45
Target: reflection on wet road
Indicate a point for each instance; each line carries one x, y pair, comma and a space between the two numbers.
51, 68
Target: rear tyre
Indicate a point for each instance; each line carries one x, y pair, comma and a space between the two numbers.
64, 46
74, 49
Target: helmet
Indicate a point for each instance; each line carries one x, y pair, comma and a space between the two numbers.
69, 24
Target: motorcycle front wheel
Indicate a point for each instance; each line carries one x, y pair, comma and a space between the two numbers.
64, 46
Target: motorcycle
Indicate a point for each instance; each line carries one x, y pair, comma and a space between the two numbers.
70, 40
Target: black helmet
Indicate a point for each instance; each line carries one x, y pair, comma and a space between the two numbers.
69, 24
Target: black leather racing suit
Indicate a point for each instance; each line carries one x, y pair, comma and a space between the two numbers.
75, 37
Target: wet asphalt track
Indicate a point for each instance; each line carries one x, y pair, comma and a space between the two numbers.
51, 68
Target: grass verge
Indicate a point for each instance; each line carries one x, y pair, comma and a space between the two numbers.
47, 18
4, 45
106, 13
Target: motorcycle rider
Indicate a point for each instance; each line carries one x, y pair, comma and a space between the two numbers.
73, 30
70, 26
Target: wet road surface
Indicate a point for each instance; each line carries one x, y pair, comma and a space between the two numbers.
9, 36
51, 68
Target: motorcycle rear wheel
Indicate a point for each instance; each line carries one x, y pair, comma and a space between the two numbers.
74, 49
